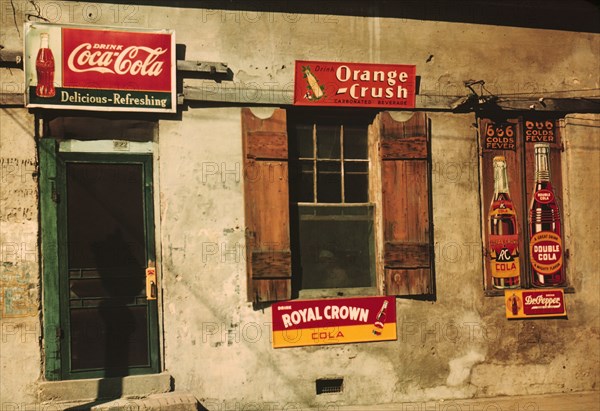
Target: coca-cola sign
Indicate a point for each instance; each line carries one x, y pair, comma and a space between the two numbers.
100, 68
535, 303
322, 83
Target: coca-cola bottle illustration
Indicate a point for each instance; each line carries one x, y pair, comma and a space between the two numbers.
44, 66
545, 243
380, 319
503, 232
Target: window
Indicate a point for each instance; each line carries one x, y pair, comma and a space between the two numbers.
331, 216
330, 193
512, 149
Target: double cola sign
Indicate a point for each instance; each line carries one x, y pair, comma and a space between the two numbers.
100, 69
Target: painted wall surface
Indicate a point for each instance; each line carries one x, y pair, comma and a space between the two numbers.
20, 356
215, 344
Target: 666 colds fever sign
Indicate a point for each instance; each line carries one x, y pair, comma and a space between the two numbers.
109, 69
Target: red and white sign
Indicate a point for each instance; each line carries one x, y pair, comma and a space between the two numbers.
321, 83
100, 68
535, 303
333, 321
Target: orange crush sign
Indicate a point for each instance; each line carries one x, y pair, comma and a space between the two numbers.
333, 321
534, 303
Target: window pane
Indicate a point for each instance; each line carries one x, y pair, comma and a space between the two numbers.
356, 182
328, 141
329, 182
301, 182
336, 249
301, 141
355, 142
105, 215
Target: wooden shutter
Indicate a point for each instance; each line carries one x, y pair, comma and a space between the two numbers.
268, 257
406, 205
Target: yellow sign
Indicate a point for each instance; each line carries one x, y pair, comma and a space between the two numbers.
333, 321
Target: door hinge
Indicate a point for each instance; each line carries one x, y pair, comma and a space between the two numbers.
59, 333
54, 194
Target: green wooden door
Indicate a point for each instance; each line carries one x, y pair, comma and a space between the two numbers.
103, 217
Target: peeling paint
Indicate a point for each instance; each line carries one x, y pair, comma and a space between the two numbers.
460, 368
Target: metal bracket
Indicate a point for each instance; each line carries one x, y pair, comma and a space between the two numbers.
204, 67
11, 58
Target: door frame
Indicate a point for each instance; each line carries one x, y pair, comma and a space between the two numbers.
53, 156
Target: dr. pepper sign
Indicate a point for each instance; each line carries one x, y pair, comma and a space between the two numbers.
333, 321
109, 69
534, 303
322, 83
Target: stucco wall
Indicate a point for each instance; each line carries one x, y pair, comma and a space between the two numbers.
215, 344
20, 357
218, 347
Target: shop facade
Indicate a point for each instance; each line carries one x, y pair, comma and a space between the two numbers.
157, 241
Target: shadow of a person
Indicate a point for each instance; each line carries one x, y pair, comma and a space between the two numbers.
122, 281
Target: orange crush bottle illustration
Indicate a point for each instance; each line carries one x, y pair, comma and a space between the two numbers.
545, 244
313, 83
380, 319
504, 231
44, 66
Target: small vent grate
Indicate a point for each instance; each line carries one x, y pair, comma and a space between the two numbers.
329, 385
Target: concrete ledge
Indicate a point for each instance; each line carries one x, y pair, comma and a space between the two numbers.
100, 388
172, 401
573, 401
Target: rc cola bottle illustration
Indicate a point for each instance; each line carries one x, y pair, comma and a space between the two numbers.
380, 319
44, 66
503, 231
545, 243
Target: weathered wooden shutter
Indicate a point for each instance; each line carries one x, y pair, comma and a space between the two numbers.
406, 213
265, 149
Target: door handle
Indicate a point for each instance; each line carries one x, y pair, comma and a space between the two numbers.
151, 285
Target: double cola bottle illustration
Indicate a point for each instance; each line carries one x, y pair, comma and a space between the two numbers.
44, 67
545, 243
503, 232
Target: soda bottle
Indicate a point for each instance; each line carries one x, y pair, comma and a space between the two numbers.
504, 231
514, 306
313, 83
545, 243
380, 319
44, 66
